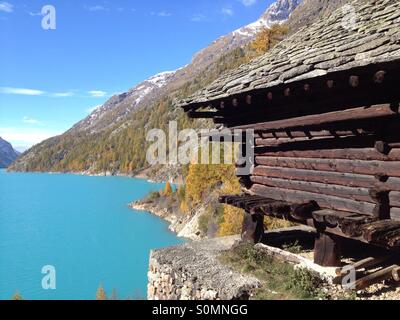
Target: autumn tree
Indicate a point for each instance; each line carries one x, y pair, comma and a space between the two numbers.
268, 38
101, 294
114, 294
17, 297
168, 189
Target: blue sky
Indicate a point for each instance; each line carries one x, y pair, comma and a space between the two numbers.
50, 79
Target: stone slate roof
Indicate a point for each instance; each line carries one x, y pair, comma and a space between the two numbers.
327, 46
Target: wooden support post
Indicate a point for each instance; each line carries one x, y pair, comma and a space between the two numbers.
327, 251
382, 208
253, 227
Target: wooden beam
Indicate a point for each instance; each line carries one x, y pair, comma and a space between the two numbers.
394, 197
362, 264
356, 194
376, 277
366, 154
313, 134
385, 232
324, 201
388, 168
373, 112
335, 178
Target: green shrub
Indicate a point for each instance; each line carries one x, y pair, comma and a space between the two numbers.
153, 195
304, 282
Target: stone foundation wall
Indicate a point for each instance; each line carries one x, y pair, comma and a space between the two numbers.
193, 272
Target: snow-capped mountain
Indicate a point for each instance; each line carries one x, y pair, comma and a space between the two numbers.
7, 154
121, 105
118, 113
278, 13
118, 107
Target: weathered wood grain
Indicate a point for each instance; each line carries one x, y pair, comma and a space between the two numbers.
324, 201
388, 168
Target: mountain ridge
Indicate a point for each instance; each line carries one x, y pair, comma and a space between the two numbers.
112, 138
121, 105
7, 153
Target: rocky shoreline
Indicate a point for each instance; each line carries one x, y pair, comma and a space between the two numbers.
184, 226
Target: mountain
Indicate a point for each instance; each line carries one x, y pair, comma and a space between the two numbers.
309, 10
112, 138
120, 106
7, 154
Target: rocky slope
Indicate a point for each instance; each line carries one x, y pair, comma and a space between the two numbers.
120, 106
309, 10
7, 154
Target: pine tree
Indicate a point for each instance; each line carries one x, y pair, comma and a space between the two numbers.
114, 295
168, 189
101, 294
17, 297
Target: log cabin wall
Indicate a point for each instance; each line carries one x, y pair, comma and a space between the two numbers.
344, 171
325, 108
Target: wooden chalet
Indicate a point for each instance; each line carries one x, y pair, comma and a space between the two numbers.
324, 104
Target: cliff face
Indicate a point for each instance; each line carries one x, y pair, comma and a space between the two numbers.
7, 154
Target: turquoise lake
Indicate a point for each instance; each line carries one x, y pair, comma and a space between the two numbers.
80, 225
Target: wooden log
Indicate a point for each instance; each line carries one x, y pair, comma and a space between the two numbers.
324, 201
362, 264
304, 211
270, 142
395, 213
278, 209
348, 223
335, 178
317, 143
330, 218
366, 154
382, 147
379, 276
313, 134
253, 228
389, 168
356, 194
327, 251
203, 114
385, 232
394, 197
396, 274
373, 112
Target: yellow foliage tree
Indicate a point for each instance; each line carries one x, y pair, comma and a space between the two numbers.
232, 224
233, 217
184, 207
101, 294
168, 189
268, 38
16, 297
